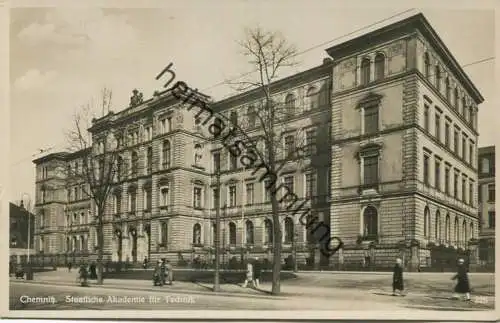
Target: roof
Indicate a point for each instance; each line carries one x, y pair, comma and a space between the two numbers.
486, 150
415, 22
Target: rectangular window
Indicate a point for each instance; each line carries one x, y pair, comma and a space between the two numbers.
447, 134
289, 146
232, 196
464, 147
310, 185
250, 194
471, 152
267, 191
464, 189
479, 194
491, 193
471, 193
163, 126
149, 160
426, 170
455, 185
132, 201
456, 139
437, 174
164, 233
215, 196
370, 170
233, 160
491, 219
164, 196
447, 180
149, 199
197, 197
438, 126
371, 120
426, 118
216, 161
310, 142
289, 184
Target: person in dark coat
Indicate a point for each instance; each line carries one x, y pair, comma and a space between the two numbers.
462, 278
397, 278
257, 272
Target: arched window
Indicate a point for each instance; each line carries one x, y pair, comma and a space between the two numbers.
268, 231
197, 234
447, 228
252, 116
457, 230
232, 233
82, 243
75, 243
166, 154
132, 199
427, 65
365, 71
135, 163
437, 226
290, 105
289, 230
427, 215
448, 90
312, 98
438, 78
68, 244
370, 221
249, 232
456, 99
324, 96
379, 66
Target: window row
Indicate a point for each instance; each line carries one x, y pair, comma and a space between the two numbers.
458, 101
462, 145
77, 193
491, 193
377, 66
77, 219
77, 243
462, 232
447, 179
229, 234
314, 99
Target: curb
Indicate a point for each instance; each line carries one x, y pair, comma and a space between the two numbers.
179, 291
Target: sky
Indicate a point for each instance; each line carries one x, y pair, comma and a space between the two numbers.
60, 58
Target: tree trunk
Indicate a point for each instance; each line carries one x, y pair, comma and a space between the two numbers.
100, 245
276, 286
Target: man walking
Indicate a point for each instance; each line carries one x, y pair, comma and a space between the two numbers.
257, 272
462, 278
249, 275
397, 278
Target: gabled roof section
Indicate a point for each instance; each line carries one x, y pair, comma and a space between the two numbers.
400, 28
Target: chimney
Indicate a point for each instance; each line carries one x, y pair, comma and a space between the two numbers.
327, 60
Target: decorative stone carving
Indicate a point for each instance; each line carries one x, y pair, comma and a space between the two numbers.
136, 98
395, 49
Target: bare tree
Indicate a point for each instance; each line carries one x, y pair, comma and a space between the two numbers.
268, 53
95, 167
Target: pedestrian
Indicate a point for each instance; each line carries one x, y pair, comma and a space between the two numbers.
145, 263
249, 276
170, 272
463, 286
397, 278
257, 272
69, 266
163, 268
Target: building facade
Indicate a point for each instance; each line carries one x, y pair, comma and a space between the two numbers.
486, 196
389, 127
21, 233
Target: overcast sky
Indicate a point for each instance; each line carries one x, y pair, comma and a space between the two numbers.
60, 58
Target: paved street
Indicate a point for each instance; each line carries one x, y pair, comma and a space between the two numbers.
310, 291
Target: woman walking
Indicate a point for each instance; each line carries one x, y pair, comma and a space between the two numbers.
463, 286
249, 276
397, 278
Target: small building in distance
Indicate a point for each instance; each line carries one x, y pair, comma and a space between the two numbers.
18, 232
486, 192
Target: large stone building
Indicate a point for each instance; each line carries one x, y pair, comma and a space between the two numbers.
390, 126
21, 232
486, 197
